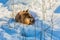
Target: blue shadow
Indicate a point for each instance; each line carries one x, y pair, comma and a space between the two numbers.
57, 10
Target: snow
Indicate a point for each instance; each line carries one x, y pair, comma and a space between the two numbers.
11, 30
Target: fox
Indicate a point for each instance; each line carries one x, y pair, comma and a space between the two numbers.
24, 17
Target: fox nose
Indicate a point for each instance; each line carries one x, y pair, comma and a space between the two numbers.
32, 20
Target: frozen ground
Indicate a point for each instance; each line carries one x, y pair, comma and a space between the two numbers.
42, 29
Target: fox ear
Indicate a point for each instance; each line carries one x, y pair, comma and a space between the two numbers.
27, 10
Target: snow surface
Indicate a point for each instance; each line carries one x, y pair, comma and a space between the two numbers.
40, 30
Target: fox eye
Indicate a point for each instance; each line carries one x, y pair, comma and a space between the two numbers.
25, 14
